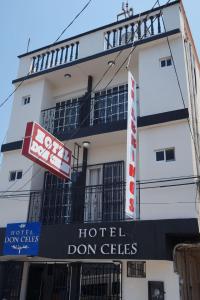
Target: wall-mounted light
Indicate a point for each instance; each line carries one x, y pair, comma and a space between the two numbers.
111, 63
86, 144
67, 75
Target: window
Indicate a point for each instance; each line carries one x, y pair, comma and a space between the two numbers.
15, 175
165, 155
110, 105
67, 115
165, 62
136, 269
26, 100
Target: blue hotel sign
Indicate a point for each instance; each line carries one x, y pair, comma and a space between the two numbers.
22, 239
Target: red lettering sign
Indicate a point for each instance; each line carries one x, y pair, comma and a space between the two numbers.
131, 149
44, 149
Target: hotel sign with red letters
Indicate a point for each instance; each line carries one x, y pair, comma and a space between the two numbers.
44, 149
131, 203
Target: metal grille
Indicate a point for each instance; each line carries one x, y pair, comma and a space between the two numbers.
136, 269
67, 115
47, 119
137, 29
63, 117
35, 206
12, 274
49, 281
61, 282
106, 202
110, 105
103, 202
114, 191
100, 281
56, 206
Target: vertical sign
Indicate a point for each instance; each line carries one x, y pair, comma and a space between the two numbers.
131, 203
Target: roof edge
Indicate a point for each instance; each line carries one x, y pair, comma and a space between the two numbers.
100, 28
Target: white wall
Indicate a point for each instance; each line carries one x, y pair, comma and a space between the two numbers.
14, 209
21, 114
137, 288
159, 91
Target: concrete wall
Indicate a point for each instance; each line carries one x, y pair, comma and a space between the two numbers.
137, 288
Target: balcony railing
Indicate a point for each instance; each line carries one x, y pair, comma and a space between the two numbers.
55, 57
102, 203
106, 106
65, 116
133, 31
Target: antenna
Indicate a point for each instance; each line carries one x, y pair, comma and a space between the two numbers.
126, 11
28, 44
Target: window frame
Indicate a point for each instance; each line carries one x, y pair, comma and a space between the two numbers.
165, 61
24, 98
134, 265
164, 150
16, 175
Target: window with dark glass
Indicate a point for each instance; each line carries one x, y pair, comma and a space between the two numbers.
26, 100
165, 62
15, 175
160, 155
165, 154
136, 269
170, 154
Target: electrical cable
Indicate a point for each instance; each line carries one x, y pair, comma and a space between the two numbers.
93, 91
10, 95
27, 192
180, 89
88, 96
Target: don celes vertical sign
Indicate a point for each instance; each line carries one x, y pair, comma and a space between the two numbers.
44, 149
131, 149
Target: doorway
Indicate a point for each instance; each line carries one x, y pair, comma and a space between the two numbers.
48, 282
92, 281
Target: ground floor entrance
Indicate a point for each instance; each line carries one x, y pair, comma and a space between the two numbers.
62, 281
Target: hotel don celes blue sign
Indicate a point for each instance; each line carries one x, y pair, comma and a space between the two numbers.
22, 239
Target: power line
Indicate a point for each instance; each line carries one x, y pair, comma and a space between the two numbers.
17, 192
9, 96
89, 94
21, 82
86, 98
180, 89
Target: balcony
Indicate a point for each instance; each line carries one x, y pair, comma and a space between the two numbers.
101, 41
103, 203
95, 196
131, 32
54, 57
106, 106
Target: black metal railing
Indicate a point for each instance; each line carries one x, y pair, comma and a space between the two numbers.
141, 28
65, 116
54, 57
102, 203
106, 106
100, 282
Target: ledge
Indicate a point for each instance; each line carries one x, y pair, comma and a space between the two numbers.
100, 54
101, 28
160, 118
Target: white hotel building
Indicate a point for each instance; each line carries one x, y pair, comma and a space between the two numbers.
77, 89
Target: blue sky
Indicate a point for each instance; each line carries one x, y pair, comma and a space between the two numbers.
43, 20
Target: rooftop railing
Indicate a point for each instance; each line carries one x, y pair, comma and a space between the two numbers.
141, 28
